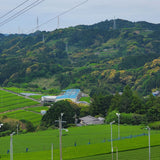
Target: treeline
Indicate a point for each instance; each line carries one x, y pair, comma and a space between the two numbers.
133, 109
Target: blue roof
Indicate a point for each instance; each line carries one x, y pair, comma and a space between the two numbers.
69, 94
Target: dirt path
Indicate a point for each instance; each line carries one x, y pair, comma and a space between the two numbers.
23, 108
20, 95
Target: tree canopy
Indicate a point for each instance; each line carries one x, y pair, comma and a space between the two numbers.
55, 111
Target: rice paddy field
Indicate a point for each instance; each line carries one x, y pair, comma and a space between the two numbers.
10, 101
84, 143
22, 114
18, 107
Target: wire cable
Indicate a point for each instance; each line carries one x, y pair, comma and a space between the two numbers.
37, 2
61, 14
14, 9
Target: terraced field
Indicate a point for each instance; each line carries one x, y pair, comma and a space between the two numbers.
18, 107
22, 114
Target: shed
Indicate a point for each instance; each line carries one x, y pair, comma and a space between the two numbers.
89, 120
48, 99
72, 94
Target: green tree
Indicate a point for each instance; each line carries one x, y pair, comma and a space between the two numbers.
55, 111
126, 100
153, 109
100, 105
137, 105
115, 102
60, 49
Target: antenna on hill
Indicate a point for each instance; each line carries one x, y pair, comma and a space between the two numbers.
114, 24
37, 23
18, 30
43, 40
67, 47
58, 22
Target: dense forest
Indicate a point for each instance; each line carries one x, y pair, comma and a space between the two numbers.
96, 58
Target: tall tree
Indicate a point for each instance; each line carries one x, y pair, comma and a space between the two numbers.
100, 105
126, 100
55, 111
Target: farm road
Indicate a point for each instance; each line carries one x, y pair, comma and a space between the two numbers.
20, 95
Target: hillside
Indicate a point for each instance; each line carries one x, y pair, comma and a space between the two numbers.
18, 107
95, 57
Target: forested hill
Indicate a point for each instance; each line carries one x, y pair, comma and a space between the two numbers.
95, 58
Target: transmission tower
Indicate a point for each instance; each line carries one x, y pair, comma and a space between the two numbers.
114, 23
37, 23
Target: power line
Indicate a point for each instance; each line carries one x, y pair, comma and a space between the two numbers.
61, 14
37, 2
21, 12
14, 9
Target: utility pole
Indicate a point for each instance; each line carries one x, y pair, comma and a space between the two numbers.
149, 145
60, 134
118, 115
111, 138
117, 153
11, 146
52, 152
17, 128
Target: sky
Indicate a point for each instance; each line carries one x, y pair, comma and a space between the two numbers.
87, 13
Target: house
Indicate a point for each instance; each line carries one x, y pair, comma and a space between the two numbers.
47, 99
89, 120
156, 93
72, 94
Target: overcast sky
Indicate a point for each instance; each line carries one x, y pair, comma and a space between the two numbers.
93, 11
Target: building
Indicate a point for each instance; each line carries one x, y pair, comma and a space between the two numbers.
156, 93
89, 120
72, 94
47, 99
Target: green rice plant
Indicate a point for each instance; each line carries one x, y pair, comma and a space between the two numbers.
37, 97
37, 109
86, 99
22, 114
10, 101
39, 143
16, 106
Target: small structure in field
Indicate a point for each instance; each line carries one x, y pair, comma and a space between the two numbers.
43, 112
72, 94
89, 120
47, 99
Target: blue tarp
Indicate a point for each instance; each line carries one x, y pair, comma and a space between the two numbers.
69, 94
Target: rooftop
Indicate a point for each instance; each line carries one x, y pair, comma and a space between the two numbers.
69, 94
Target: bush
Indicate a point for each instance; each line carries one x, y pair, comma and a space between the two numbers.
30, 127
127, 118
5, 133
132, 118
112, 117
41, 128
155, 125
